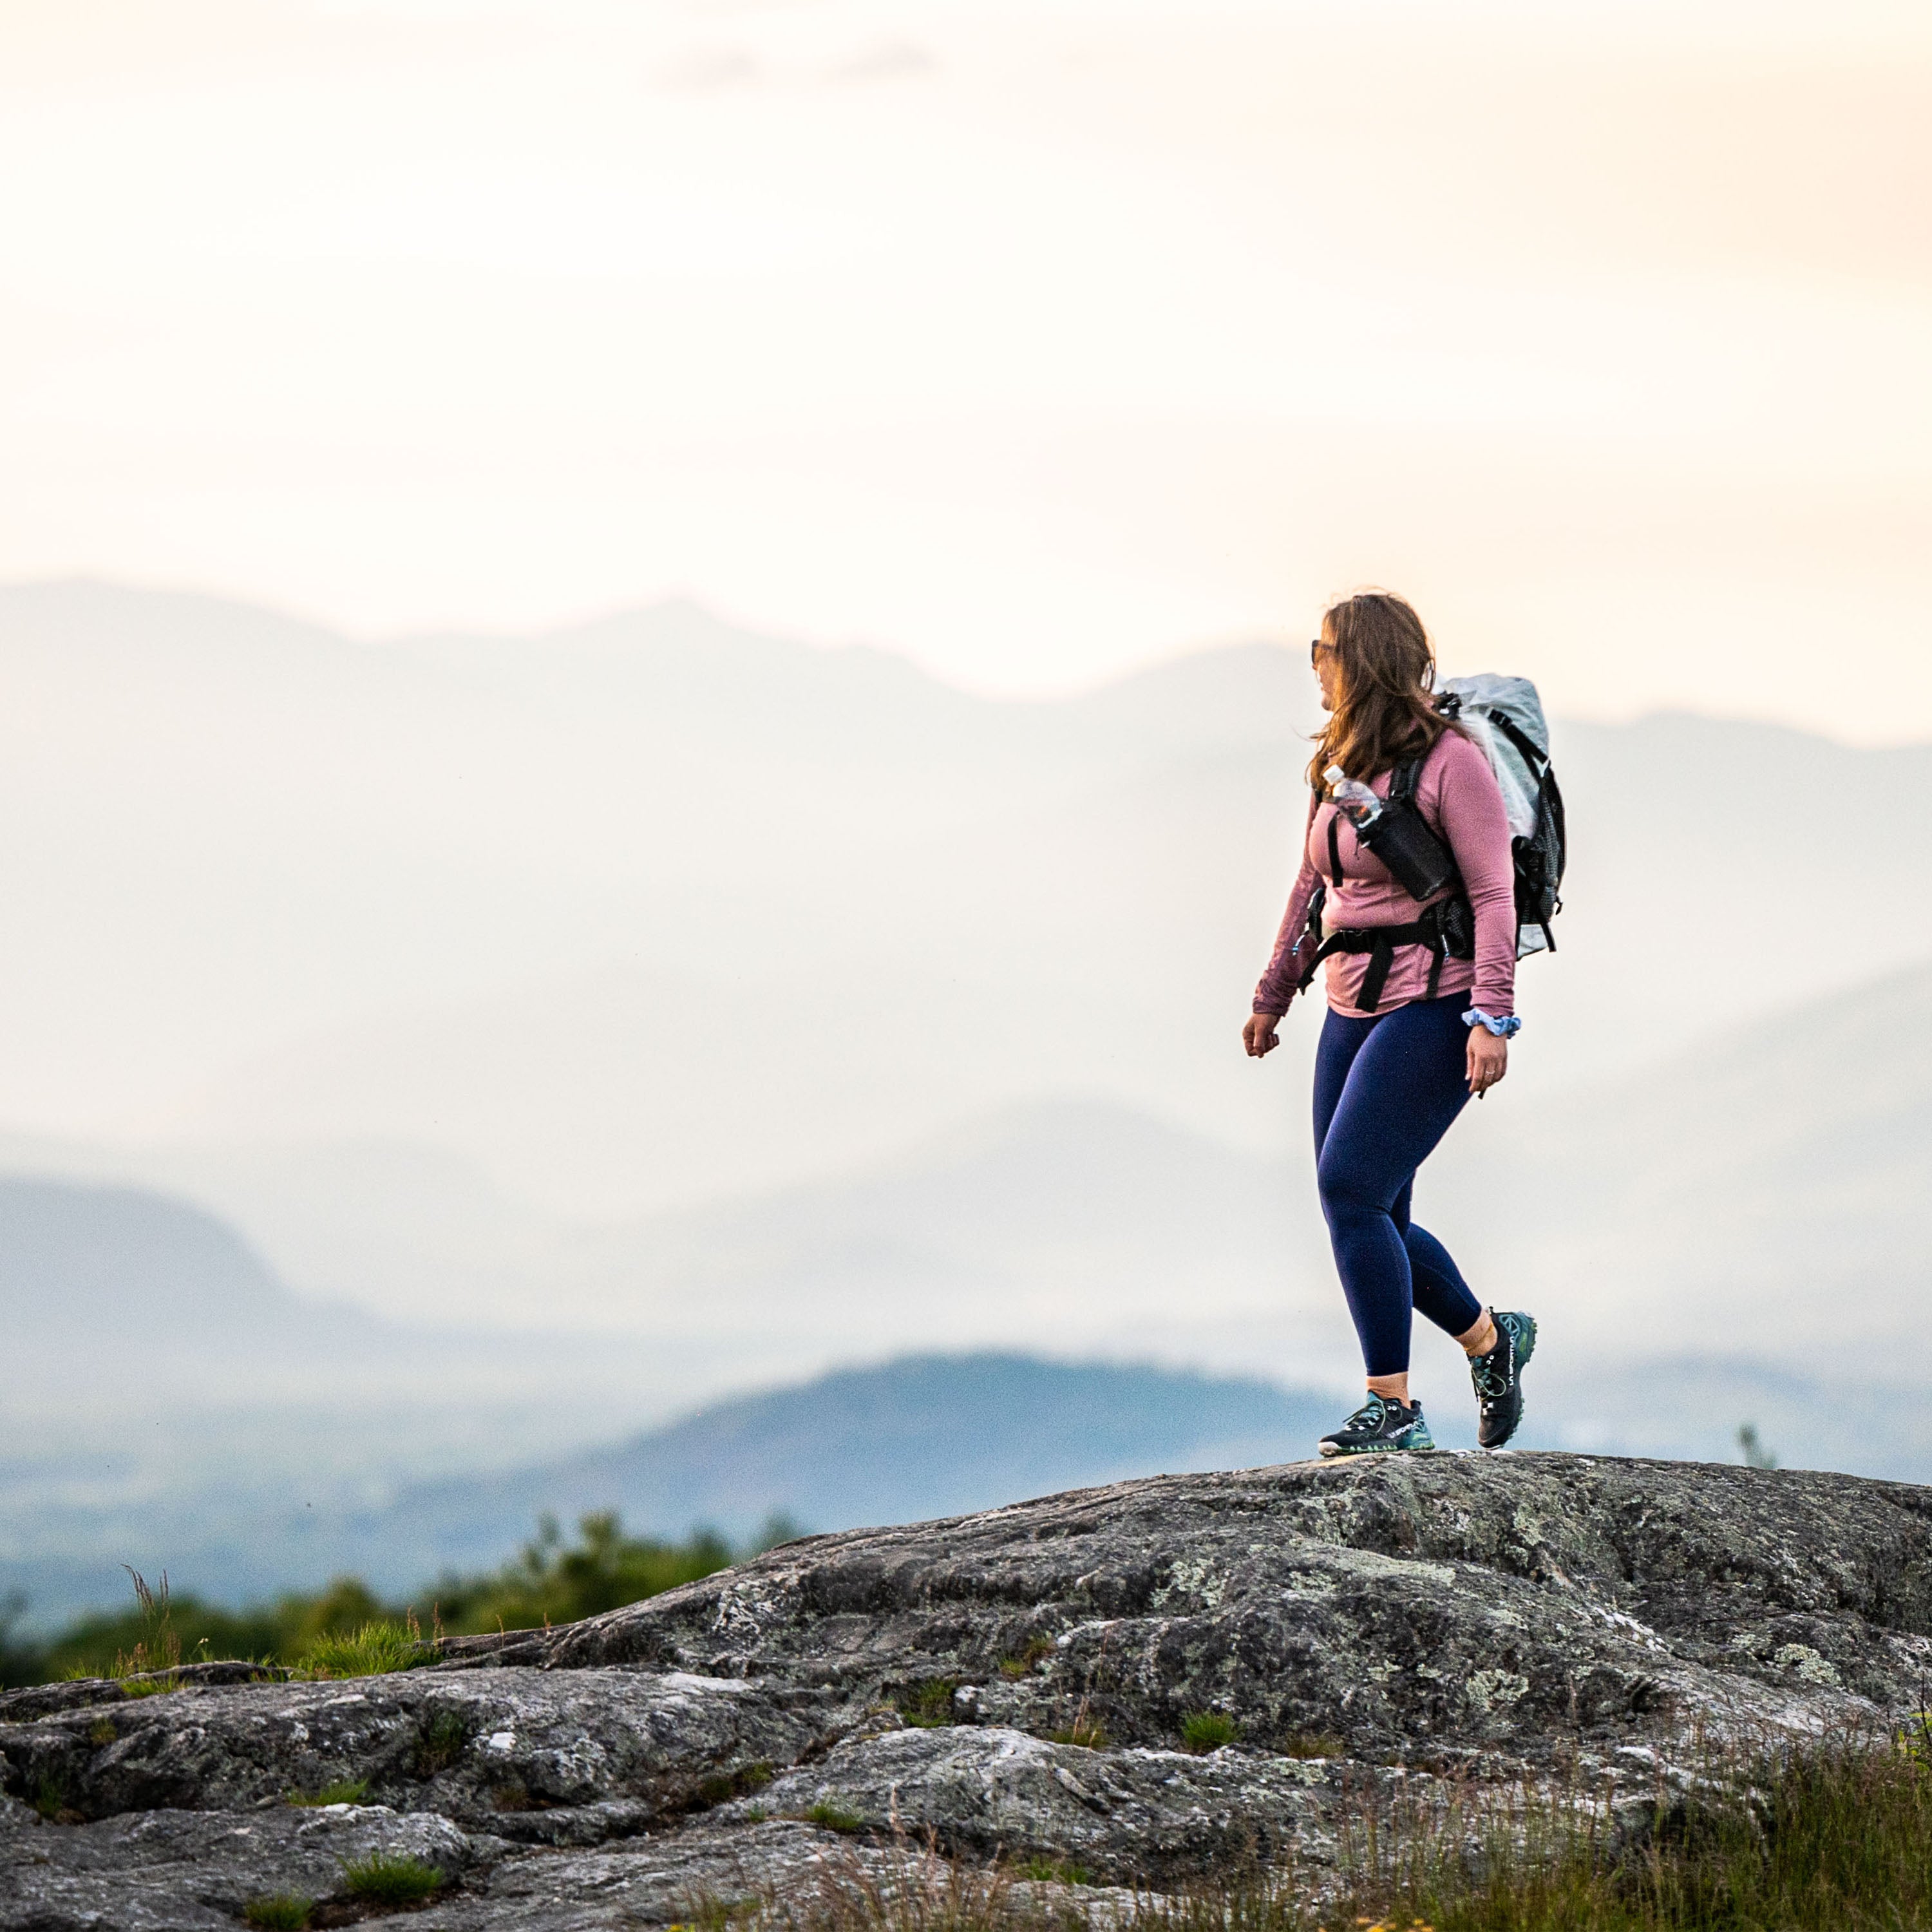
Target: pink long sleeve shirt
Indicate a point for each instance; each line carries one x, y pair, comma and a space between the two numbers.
1457, 795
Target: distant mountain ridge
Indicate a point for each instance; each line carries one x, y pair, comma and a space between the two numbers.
886, 1442
922, 1435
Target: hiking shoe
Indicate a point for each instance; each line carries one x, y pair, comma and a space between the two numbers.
1499, 1379
1377, 1426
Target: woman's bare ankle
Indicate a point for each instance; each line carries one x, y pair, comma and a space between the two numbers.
1390, 1388
1480, 1339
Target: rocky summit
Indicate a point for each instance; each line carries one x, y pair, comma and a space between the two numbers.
1148, 1684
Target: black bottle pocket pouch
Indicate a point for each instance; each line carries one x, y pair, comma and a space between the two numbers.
1417, 860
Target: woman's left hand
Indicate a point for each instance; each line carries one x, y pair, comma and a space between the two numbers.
1489, 1059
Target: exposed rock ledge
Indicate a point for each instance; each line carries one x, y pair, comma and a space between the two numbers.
1384, 1620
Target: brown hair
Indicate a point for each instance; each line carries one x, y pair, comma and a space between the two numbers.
1384, 713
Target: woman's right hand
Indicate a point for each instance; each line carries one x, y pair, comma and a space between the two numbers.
1259, 1036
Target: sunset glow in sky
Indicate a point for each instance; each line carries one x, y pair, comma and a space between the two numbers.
1034, 340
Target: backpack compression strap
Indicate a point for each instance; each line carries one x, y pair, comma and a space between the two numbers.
1533, 754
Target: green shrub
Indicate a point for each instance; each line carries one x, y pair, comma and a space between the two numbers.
100, 1646
381, 1879
835, 1817
50, 1799
343, 1791
278, 1911
551, 1581
1202, 1731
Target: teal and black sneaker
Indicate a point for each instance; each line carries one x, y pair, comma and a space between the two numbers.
1380, 1425
1499, 1379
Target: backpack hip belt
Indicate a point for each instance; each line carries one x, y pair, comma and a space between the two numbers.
1448, 928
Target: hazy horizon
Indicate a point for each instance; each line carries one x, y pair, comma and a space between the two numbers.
1092, 683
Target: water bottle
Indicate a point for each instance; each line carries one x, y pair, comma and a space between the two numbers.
1396, 834
1353, 798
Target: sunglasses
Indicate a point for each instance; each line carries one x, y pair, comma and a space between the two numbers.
1316, 646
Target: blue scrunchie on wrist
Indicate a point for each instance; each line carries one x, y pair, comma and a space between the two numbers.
1503, 1029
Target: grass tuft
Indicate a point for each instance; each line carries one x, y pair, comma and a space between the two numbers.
708, 1913
1310, 1743
374, 1650
1203, 1731
278, 1911
835, 1817
720, 1787
343, 1791
441, 1743
157, 1649
381, 1879
1054, 1871
927, 1705
1089, 1733
1038, 1650
101, 1732
157, 1686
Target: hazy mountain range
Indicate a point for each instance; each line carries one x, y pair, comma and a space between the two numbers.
586, 1027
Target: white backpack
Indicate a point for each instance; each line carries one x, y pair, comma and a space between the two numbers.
1504, 716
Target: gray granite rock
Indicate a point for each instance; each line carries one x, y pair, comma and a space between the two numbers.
187, 1871
510, 1749
1122, 1815
1011, 1687
1425, 1608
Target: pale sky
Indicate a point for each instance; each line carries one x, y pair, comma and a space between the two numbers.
1034, 340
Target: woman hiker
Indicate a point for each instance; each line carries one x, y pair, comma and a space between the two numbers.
1411, 1032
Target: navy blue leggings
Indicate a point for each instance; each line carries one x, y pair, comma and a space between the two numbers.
1387, 1086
